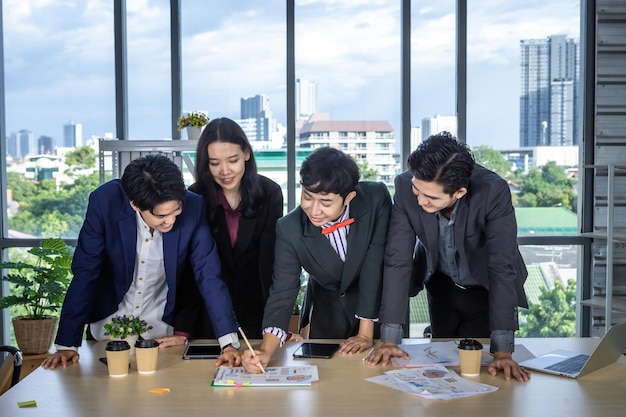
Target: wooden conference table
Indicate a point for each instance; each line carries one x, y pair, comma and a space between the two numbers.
85, 389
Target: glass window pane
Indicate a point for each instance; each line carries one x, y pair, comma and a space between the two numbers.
348, 56
523, 70
149, 81
234, 65
59, 83
433, 70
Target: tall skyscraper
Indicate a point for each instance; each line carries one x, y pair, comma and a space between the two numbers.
549, 105
258, 109
306, 98
45, 145
72, 135
437, 124
22, 143
260, 126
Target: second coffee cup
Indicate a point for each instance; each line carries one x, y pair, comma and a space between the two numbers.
146, 353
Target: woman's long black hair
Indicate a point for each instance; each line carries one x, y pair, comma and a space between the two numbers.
227, 130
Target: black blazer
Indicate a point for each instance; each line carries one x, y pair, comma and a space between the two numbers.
337, 291
246, 267
486, 234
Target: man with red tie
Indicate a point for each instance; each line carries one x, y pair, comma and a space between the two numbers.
338, 235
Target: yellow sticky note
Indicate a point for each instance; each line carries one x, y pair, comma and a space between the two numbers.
230, 382
159, 391
29, 403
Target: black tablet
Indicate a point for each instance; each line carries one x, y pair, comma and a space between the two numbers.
202, 351
316, 350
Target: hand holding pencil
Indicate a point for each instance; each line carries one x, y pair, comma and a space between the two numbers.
250, 347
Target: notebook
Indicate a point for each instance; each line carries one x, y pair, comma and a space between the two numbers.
576, 364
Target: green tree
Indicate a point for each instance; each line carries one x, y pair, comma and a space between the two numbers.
21, 188
55, 213
367, 173
547, 187
554, 316
493, 160
83, 157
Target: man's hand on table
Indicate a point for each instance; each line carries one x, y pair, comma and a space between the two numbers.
503, 361
60, 357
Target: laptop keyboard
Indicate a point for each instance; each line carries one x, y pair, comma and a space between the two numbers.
570, 365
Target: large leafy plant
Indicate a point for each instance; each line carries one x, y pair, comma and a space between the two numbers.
39, 286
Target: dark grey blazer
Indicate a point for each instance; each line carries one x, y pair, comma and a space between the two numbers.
336, 291
485, 225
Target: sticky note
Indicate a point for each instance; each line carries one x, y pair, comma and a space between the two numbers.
29, 403
159, 391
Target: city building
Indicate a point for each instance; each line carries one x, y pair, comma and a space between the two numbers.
436, 124
21, 144
72, 135
549, 113
261, 128
306, 99
538, 156
370, 141
45, 145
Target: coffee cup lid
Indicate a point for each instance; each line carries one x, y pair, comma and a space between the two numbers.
117, 345
146, 344
470, 344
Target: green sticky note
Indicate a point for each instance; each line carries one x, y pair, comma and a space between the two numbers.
29, 403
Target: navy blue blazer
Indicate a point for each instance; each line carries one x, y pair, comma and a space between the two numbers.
104, 262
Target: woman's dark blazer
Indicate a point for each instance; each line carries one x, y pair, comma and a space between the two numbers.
337, 291
246, 268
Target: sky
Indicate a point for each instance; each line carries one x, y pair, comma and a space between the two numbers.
59, 62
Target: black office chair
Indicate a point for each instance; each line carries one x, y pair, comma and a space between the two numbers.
10, 368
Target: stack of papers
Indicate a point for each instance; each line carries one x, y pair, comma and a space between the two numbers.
278, 376
432, 382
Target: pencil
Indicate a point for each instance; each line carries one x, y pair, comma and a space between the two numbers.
250, 347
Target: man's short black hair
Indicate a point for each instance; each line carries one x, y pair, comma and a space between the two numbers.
441, 158
151, 180
329, 170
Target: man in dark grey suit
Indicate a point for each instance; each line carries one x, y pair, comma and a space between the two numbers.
453, 230
337, 234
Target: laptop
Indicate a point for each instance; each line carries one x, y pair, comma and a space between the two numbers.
576, 364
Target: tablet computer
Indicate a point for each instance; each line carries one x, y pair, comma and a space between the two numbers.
202, 351
316, 350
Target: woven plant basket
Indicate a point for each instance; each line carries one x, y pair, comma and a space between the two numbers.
34, 337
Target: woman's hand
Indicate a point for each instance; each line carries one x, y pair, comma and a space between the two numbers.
251, 362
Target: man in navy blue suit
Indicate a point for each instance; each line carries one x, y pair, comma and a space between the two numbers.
137, 236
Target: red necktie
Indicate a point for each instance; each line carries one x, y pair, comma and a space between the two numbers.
330, 229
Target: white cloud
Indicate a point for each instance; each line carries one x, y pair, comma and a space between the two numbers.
237, 49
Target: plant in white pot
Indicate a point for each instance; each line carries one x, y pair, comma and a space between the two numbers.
39, 287
194, 122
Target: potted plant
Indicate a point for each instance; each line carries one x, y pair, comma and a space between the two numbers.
127, 328
120, 327
38, 288
194, 122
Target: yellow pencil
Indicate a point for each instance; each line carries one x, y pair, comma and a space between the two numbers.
250, 347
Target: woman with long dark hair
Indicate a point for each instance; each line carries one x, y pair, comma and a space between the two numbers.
242, 209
